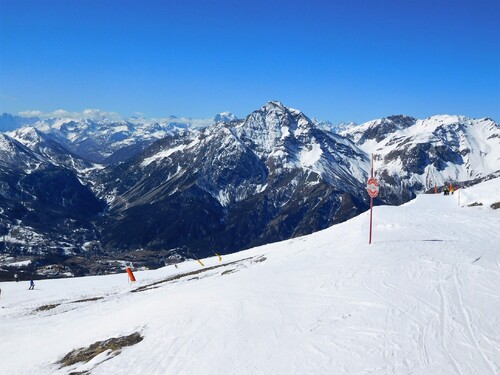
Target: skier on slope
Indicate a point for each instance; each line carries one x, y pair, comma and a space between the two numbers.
32, 285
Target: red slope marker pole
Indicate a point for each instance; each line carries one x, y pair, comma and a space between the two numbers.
372, 188
371, 210
371, 216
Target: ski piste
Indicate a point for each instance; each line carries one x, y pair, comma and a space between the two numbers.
423, 298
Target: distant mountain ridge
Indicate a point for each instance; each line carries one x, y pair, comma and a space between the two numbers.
415, 155
107, 140
97, 189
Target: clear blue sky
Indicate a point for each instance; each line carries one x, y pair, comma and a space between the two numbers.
334, 59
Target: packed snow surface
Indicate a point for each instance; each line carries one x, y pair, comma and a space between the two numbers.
423, 298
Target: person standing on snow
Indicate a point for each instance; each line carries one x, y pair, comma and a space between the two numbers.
16, 277
32, 285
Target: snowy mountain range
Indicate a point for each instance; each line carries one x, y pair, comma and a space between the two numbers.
415, 155
104, 139
84, 192
267, 178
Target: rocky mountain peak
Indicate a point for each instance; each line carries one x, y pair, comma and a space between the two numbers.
401, 120
271, 127
27, 133
378, 130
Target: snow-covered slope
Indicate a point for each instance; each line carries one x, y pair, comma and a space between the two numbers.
422, 299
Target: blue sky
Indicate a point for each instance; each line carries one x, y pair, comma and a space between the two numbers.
336, 60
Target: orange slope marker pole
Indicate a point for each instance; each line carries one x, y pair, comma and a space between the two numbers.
130, 274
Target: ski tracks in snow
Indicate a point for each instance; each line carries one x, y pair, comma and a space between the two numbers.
437, 321
444, 324
469, 322
396, 357
459, 331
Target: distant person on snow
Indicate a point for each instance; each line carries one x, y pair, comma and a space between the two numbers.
16, 278
446, 191
452, 190
32, 285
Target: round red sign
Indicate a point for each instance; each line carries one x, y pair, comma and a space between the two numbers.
372, 187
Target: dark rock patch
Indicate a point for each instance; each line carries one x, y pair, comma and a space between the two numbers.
88, 299
114, 344
47, 307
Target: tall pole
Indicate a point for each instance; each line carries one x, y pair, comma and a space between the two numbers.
371, 215
371, 209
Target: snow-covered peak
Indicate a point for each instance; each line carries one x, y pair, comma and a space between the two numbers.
331, 127
275, 115
16, 155
377, 129
273, 105
29, 136
287, 139
225, 117
271, 126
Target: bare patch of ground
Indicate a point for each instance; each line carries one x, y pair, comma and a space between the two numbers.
87, 299
114, 345
47, 307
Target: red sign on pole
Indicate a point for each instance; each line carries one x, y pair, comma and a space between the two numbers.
372, 187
